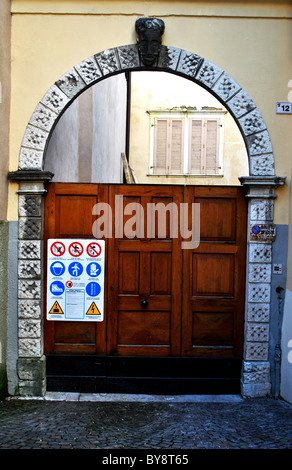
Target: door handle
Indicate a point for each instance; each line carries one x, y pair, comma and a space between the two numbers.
144, 303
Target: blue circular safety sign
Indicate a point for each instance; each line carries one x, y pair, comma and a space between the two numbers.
93, 269
93, 289
57, 268
75, 269
57, 288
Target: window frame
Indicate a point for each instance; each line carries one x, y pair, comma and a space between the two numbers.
187, 116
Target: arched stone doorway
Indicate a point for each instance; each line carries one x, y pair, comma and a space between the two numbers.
261, 183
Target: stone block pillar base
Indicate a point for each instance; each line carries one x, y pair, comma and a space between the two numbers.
32, 373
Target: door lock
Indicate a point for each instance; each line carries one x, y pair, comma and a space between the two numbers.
144, 303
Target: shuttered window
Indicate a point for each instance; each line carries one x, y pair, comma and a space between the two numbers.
196, 146
186, 146
161, 144
169, 148
204, 146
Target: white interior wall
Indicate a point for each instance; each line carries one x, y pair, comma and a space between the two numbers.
109, 124
91, 136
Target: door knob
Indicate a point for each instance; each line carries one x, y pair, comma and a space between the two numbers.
144, 303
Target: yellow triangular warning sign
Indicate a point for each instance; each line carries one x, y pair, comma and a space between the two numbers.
56, 308
93, 310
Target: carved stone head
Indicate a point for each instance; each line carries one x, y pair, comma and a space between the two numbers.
150, 31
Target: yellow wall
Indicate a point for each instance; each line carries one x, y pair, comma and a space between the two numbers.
252, 43
4, 102
158, 91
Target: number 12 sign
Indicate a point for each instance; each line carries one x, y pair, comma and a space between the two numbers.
283, 107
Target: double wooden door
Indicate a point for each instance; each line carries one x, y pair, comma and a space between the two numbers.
160, 299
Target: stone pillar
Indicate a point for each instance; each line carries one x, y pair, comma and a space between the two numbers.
31, 360
256, 380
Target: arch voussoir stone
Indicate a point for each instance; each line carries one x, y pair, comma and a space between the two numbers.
126, 58
31, 176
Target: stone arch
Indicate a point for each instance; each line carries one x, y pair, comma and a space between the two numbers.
260, 188
126, 58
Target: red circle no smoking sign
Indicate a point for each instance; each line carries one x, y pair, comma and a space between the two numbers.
93, 249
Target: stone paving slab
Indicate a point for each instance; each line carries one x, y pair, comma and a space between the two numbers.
110, 422
123, 397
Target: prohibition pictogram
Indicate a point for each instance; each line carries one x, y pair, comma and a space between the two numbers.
256, 229
93, 249
58, 248
75, 249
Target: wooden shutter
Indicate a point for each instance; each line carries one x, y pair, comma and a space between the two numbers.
168, 146
195, 150
160, 146
204, 145
176, 150
211, 162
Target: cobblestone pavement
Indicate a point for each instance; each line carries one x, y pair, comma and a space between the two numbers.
128, 424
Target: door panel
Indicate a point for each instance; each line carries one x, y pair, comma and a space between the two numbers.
194, 298
69, 214
136, 328
217, 218
74, 215
214, 275
212, 328
161, 272
144, 309
129, 268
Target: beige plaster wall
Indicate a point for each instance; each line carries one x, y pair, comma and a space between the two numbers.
4, 155
4, 102
251, 42
160, 90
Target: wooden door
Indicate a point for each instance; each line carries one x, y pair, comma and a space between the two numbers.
145, 275
214, 275
69, 214
160, 299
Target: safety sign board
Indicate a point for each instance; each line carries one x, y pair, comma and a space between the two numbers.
75, 280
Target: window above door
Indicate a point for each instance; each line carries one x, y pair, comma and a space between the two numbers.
186, 142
